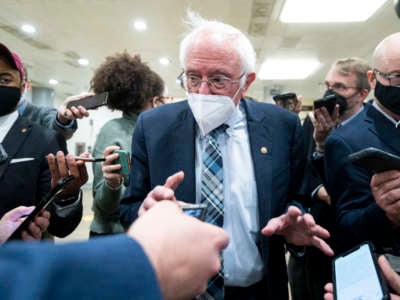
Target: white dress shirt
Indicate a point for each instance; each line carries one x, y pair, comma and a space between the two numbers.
6, 122
243, 265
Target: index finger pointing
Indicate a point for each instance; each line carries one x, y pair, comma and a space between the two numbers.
174, 180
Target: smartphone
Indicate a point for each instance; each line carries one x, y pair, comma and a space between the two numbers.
91, 102
328, 102
195, 210
46, 201
124, 160
89, 159
356, 275
375, 160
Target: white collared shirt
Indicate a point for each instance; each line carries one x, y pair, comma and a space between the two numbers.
243, 265
6, 122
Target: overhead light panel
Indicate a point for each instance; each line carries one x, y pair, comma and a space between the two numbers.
291, 68
140, 25
83, 61
28, 28
164, 61
328, 11
53, 81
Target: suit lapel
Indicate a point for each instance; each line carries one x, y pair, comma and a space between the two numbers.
182, 138
383, 129
16, 136
260, 138
13, 141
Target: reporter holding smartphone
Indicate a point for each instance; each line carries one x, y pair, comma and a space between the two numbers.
391, 277
347, 82
25, 176
133, 87
62, 120
154, 267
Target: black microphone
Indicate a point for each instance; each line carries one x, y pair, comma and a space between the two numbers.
397, 7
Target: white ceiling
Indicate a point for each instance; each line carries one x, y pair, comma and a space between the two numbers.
94, 29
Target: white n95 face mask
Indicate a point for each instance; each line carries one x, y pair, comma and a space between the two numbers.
210, 111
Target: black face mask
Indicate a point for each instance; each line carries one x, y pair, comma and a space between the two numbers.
388, 96
339, 100
9, 97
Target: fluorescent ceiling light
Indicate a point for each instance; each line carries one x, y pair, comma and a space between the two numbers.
53, 81
288, 68
328, 11
28, 28
140, 25
164, 61
83, 61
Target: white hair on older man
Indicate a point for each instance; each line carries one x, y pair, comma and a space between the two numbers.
242, 44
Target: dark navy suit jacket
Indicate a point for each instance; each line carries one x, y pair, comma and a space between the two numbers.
358, 217
164, 143
108, 268
26, 180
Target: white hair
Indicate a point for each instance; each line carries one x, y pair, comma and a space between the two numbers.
242, 44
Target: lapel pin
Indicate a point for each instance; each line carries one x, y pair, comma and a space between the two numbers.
23, 130
264, 150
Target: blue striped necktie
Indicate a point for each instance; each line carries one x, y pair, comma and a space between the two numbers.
212, 194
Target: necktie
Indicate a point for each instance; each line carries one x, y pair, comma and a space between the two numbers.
212, 193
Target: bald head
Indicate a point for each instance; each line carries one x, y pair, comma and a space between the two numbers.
387, 54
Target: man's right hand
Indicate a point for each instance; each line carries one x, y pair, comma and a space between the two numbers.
323, 123
66, 115
37, 227
162, 192
184, 252
61, 166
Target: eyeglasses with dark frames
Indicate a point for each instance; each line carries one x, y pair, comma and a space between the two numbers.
393, 79
338, 87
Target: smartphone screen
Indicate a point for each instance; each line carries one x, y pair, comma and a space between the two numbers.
195, 210
356, 276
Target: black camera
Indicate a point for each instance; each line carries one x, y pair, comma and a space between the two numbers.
286, 100
285, 97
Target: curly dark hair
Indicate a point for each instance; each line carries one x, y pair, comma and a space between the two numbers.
130, 82
157, 87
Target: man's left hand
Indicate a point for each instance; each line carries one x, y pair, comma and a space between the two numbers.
385, 187
299, 230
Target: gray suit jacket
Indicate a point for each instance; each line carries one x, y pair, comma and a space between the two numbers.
46, 117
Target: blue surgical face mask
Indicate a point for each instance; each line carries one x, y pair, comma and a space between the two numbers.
24, 97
